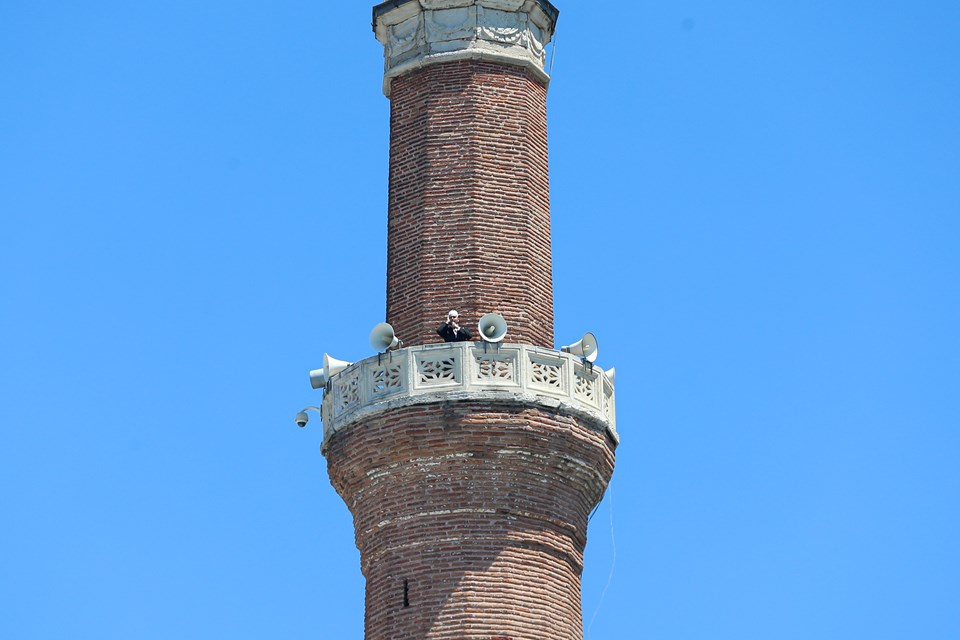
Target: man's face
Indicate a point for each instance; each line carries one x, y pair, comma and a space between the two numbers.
452, 318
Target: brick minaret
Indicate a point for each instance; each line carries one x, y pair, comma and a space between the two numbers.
470, 469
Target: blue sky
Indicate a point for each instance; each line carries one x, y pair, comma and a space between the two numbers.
756, 208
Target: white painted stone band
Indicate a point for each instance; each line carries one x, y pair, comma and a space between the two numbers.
418, 33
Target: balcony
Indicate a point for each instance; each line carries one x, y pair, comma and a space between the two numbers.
470, 371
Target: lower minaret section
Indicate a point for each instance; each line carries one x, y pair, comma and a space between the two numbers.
471, 518
471, 487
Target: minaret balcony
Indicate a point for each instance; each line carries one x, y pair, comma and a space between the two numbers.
469, 371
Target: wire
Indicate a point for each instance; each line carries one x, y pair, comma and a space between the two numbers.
595, 509
553, 55
613, 560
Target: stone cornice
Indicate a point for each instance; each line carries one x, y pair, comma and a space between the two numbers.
417, 33
390, 5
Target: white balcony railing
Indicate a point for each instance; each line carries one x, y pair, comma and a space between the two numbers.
469, 371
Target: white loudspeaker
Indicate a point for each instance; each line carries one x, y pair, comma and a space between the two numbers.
492, 327
331, 367
587, 348
318, 378
611, 374
383, 338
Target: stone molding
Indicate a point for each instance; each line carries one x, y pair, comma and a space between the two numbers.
417, 33
469, 371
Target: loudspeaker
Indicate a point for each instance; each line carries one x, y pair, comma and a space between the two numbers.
611, 374
383, 338
587, 348
331, 367
318, 378
492, 327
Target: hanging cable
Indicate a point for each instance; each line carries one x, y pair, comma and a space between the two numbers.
553, 55
613, 560
595, 509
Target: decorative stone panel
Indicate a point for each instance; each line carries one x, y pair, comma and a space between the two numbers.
438, 369
547, 372
347, 393
386, 379
417, 33
495, 368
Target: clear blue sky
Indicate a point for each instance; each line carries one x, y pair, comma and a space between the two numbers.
756, 208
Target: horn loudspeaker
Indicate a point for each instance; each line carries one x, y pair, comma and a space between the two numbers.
331, 367
492, 327
587, 348
383, 338
318, 378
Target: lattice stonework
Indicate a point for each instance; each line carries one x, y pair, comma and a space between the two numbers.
493, 368
437, 371
585, 388
431, 371
548, 375
387, 379
348, 393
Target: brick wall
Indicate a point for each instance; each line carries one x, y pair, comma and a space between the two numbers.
469, 204
471, 518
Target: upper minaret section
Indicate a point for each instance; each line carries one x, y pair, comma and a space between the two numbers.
416, 33
469, 192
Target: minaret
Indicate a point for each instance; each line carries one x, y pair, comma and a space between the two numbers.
470, 468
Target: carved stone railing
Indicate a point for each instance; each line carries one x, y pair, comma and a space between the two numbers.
454, 371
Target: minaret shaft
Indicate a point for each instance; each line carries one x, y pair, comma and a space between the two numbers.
470, 469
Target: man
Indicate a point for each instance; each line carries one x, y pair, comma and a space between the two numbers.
451, 331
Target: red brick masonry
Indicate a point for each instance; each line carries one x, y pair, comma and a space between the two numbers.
471, 518
469, 210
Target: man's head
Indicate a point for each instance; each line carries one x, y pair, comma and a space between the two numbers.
453, 316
